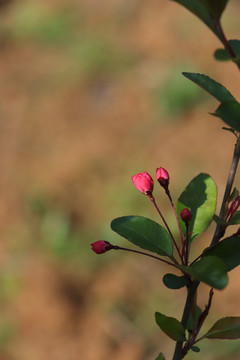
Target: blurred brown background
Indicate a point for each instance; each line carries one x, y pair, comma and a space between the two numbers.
92, 93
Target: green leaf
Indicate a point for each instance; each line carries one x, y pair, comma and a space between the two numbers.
235, 219
211, 86
233, 195
200, 198
195, 349
236, 60
223, 55
225, 328
210, 270
228, 251
160, 357
171, 327
229, 112
198, 312
172, 281
144, 233
215, 7
198, 9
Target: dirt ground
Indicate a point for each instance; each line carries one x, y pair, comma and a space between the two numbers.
92, 93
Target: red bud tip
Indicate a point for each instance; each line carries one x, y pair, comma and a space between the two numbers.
186, 215
143, 182
234, 206
162, 177
101, 246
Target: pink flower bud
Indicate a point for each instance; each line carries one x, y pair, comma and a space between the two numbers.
162, 177
186, 215
101, 246
143, 182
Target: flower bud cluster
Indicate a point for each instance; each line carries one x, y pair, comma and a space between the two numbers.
144, 182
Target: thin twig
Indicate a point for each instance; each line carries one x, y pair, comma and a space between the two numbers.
166, 225
115, 247
218, 27
187, 244
175, 212
201, 320
219, 233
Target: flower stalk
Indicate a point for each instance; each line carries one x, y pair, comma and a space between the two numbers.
166, 225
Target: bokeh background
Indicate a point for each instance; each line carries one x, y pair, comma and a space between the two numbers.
92, 93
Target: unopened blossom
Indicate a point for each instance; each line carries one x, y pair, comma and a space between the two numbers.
101, 246
143, 182
186, 215
162, 177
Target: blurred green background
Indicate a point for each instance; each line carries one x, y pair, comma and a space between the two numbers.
91, 94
